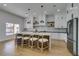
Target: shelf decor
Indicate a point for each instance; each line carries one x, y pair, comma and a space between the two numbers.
41, 21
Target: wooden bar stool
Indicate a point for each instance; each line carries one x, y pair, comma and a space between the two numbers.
18, 39
43, 42
33, 41
25, 39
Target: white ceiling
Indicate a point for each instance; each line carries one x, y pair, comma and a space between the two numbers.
21, 9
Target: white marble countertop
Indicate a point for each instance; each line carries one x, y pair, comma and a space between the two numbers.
38, 33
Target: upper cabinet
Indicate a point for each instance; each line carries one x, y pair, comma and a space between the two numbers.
42, 20
60, 21
72, 11
28, 22
50, 21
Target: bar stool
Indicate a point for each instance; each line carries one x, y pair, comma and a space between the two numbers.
33, 41
43, 42
18, 39
25, 39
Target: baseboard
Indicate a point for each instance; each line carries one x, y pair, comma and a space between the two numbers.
65, 40
7, 39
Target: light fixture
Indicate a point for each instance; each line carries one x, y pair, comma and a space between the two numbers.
4, 4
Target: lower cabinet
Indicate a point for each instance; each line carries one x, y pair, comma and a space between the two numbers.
59, 36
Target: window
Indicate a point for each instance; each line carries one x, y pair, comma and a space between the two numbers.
16, 28
9, 28
12, 28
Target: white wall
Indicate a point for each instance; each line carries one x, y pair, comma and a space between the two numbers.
8, 17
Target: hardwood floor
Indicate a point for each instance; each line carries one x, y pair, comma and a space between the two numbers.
8, 49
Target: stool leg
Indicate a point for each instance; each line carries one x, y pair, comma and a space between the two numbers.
38, 45
32, 44
42, 47
22, 43
28, 43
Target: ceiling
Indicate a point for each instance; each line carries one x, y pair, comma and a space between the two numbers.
21, 9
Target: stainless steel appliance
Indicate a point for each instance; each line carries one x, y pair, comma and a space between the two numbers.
72, 36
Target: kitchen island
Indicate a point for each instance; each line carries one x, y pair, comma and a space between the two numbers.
40, 33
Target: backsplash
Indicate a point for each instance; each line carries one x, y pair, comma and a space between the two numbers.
47, 29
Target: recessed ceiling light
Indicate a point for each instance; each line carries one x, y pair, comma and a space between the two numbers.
54, 5
42, 6
58, 10
4, 4
29, 9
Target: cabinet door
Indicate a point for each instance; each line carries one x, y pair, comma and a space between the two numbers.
54, 36
75, 12
59, 36
63, 22
57, 21
60, 21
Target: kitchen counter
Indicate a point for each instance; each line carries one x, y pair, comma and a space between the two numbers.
48, 30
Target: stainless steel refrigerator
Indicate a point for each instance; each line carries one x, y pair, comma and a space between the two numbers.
72, 36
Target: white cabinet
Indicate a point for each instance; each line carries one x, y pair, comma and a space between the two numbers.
42, 20
75, 12
72, 10
28, 22
60, 21
59, 36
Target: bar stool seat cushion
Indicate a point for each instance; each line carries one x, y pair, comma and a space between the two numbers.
19, 37
25, 38
43, 40
34, 39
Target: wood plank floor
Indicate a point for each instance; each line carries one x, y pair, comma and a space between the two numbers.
8, 48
